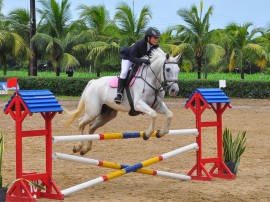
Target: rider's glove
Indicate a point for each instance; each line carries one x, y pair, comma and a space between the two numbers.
146, 61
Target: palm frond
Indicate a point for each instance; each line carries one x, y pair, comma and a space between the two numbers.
69, 61
214, 53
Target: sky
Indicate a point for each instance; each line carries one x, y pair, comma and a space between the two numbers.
164, 12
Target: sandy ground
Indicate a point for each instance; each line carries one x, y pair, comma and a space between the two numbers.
251, 184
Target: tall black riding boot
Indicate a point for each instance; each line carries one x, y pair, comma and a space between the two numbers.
120, 89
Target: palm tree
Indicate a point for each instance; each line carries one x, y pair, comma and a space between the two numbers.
195, 36
97, 51
3, 22
54, 17
223, 39
96, 17
245, 50
131, 28
33, 29
104, 47
12, 46
104, 52
19, 23
58, 51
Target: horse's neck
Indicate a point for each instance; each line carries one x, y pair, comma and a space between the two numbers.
153, 74
158, 70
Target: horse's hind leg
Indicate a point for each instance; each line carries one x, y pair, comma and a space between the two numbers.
85, 121
106, 115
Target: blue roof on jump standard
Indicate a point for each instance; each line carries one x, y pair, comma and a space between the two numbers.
212, 95
38, 101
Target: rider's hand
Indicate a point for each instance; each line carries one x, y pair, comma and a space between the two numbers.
146, 61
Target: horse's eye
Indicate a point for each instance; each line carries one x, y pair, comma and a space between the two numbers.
168, 70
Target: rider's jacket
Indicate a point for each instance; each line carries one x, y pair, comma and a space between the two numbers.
136, 51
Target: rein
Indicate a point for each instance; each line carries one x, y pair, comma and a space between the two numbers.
164, 84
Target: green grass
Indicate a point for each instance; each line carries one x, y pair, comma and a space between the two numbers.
182, 75
225, 76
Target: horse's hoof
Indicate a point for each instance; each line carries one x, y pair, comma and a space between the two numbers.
158, 134
75, 150
145, 137
82, 153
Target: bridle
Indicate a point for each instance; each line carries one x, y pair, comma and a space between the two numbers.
164, 85
166, 81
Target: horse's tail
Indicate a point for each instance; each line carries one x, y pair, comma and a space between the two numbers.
74, 114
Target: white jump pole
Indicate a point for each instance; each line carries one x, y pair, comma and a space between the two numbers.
106, 136
113, 165
128, 169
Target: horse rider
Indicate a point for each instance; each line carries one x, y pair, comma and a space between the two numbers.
131, 55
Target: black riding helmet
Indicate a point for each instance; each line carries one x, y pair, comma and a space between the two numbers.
152, 32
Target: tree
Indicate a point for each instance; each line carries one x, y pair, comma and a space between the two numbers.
24, 24
95, 17
58, 51
245, 50
131, 29
195, 36
19, 23
33, 62
222, 38
104, 46
12, 46
98, 51
54, 17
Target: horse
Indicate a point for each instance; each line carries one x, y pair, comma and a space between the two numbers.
147, 91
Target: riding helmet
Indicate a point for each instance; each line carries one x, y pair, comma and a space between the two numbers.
152, 32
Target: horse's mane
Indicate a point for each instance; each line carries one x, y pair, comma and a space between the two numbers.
157, 54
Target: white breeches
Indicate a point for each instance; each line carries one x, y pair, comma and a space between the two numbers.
125, 65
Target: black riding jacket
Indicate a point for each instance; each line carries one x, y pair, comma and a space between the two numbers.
136, 51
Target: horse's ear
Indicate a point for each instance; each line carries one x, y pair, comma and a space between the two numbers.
167, 56
178, 57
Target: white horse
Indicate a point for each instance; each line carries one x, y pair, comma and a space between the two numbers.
148, 91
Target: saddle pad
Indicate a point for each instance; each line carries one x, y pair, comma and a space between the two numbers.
113, 83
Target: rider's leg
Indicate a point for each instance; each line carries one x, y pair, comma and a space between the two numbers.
122, 80
121, 85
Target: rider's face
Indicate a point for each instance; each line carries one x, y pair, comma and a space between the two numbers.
153, 40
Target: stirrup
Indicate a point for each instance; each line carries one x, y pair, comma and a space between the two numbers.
118, 99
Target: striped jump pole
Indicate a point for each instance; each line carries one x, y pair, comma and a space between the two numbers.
113, 165
128, 169
109, 136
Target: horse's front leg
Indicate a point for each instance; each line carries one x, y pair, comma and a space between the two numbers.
162, 109
143, 107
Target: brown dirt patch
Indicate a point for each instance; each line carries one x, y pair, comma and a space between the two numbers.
252, 182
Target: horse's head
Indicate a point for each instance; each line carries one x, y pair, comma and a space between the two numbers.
170, 74
166, 70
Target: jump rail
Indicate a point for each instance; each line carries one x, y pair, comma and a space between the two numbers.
108, 136
113, 165
128, 169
